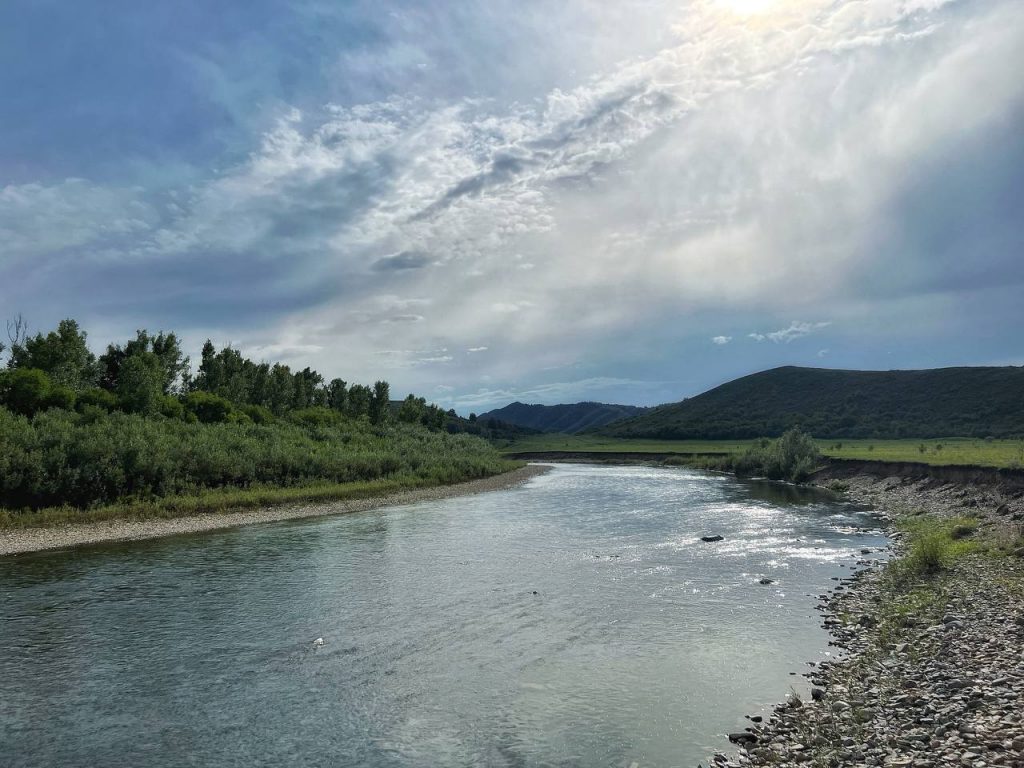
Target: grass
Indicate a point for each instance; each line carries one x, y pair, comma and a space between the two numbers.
935, 544
938, 451
221, 500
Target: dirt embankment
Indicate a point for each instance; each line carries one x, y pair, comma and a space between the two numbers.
995, 495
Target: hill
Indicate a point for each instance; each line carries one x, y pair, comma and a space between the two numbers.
966, 402
562, 418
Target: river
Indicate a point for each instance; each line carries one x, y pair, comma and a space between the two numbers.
574, 621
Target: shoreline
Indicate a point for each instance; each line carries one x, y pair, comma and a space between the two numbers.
931, 673
29, 540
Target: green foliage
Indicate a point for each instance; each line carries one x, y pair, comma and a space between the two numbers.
170, 407
412, 409
207, 407
60, 457
96, 398
317, 416
145, 429
29, 390
969, 402
140, 383
794, 456
934, 545
62, 354
257, 414
380, 402
171, 361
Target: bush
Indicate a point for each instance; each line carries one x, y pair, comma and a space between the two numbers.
29, 390
794, 456
317, 417
170, 407
258, 414
208, 408
96, 398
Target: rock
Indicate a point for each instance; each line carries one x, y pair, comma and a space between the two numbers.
710, 539
817, 694
743, 737
766, 581
318, 642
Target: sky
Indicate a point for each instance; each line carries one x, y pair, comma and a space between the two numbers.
546, 201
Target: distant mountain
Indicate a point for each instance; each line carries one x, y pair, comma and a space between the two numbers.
562, 418
944, 402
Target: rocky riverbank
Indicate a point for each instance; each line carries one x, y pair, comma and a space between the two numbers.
66, 536
933, 667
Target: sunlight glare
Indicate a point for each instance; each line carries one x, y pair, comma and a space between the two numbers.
747, 7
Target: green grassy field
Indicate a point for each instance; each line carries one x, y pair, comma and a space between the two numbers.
953, 450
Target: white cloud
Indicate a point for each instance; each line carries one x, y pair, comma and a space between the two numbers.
740, 168
795, 330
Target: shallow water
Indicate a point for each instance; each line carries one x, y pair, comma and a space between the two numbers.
574, 621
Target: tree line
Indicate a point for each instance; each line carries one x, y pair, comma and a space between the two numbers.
151, 375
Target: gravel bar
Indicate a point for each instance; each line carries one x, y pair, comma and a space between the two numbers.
941, 686
76, 535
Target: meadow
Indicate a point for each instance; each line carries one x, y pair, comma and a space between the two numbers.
936, 451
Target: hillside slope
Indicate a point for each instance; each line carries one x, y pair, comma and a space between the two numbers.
562, 418
968, 402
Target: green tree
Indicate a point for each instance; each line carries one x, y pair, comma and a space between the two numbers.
29, 390
412, 409
165, 346
140, 383
380, 402
358, 403
337, 394
62, 354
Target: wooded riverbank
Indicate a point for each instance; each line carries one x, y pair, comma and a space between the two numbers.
15, 541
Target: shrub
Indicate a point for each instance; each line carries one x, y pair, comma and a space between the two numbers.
207, 407
258, 414
794, 456
28, 390
171, 407
96, 398
317, 417
63, 458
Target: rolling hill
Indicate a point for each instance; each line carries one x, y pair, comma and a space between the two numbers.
943, 402
562, 418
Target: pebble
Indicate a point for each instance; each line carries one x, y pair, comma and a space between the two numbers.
936, 689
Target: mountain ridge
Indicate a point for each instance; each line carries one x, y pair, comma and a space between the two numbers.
981, 401
569, 418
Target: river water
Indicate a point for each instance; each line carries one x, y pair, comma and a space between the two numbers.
574, 621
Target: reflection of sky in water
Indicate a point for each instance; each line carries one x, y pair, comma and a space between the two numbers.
642, 643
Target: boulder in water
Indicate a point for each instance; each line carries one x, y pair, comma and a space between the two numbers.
710, 539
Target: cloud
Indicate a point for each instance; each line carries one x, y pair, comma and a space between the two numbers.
581, 207
474, 350
796, 330
401, 261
